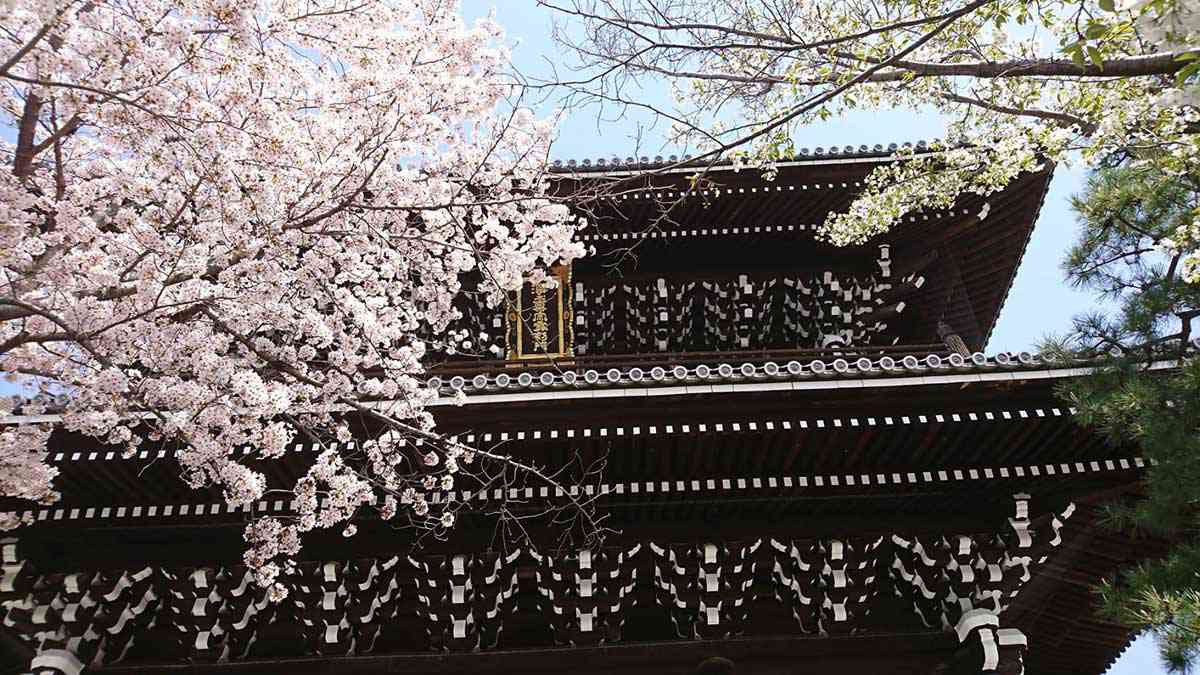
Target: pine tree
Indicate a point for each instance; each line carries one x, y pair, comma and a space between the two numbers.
1125, 252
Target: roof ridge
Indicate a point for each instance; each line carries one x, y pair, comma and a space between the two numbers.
841, 152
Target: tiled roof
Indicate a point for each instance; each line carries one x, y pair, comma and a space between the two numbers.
569, 381
616, 163
769, 375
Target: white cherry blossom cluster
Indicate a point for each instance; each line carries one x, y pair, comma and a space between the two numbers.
270, 540
24, 472
930, 182
229, 226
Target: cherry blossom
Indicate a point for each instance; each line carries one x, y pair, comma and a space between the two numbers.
234, 225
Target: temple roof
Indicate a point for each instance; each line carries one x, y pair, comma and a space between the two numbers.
926, 449
676, 374
916, 433
737, 220
832, 153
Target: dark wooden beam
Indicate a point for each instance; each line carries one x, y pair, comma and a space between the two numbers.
896, 654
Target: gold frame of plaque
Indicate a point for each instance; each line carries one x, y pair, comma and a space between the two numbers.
551, 331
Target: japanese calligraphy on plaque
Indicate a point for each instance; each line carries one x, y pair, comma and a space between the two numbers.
539, 318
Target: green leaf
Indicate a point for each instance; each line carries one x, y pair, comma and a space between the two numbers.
1076, 54
1095, 31
1108, 5
1096, 57
1186, 73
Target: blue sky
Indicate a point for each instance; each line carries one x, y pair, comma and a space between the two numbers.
1039, 303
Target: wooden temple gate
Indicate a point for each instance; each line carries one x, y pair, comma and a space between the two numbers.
809, 466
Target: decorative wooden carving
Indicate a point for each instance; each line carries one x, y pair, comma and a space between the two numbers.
753, 310
947, 577
704, 590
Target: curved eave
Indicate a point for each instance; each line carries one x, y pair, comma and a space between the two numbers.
1024, 247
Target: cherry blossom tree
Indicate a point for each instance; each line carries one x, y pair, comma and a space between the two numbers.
1020, 82
229, 225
